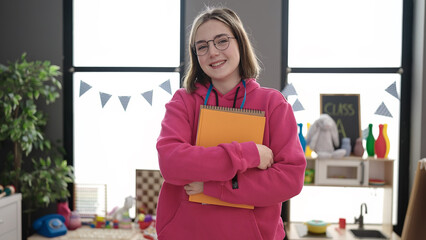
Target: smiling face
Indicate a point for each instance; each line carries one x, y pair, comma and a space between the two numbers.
220, 65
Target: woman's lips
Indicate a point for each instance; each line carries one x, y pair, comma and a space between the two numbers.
217, 64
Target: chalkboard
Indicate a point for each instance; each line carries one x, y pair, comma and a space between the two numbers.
345, 110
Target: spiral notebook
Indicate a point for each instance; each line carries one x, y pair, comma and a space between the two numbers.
218, 125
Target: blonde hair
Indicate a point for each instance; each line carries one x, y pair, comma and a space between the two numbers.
248, 66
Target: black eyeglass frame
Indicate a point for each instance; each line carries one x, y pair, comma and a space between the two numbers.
212, 40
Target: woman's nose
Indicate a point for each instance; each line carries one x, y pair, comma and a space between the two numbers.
213, 50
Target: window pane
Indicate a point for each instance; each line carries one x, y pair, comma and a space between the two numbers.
117, 119
348, 33
379, 104
127, 33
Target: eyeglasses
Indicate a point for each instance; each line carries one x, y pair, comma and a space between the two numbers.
221, 43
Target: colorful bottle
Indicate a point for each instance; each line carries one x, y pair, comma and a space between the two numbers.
301, 137
346, 144
308, 152
358, 148
385, 134
380, 144
370, 141
63, 209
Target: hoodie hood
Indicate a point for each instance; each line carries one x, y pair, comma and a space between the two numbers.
225, 99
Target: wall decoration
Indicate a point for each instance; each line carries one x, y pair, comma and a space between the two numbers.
104, 98
383, 110
297, 106
148, 96
84, 87
166, 86
392, 90
289, 90
124, 100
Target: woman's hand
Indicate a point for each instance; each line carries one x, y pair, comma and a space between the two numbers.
194, 188
266, 157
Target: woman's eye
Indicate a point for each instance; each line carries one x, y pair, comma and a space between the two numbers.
222, 41
201, 47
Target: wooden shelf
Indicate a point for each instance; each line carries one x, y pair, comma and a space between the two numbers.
355, 172
374, 168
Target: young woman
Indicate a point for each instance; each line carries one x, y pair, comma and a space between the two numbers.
222, 60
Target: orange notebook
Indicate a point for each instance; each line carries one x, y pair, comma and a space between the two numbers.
218, 125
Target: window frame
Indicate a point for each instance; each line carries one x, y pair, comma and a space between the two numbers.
69, 70
405, 102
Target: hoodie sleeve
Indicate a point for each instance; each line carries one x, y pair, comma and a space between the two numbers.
278, 183
182, 163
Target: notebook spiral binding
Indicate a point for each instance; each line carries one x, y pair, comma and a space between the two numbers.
234, 110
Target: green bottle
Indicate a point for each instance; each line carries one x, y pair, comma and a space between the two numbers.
370, 141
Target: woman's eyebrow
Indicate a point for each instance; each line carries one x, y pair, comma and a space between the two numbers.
219, 35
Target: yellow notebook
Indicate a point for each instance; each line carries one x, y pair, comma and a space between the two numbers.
218, 125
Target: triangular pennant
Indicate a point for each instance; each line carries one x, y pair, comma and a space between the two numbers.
365, 133
392, 90
289, 90
124, 101
297, 106
148, 96
84, 87
166, 86
104, 98
383, 110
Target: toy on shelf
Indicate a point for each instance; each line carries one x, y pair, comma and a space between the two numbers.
308, 151
7, 191
126, 221
385, 135
323, 138
118, 213
346, 145
358, 148
380, 143
370, 141
144, 220
75, 221
301, 137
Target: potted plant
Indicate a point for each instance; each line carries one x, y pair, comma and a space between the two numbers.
33, 164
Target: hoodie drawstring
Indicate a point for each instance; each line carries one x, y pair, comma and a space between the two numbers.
235, 178
235, 97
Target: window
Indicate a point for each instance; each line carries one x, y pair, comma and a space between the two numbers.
344, 47
124, 66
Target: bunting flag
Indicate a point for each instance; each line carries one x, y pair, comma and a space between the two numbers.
383, 110
392, 90
104, 98
166, 86
297, 106
84, 87
148, 96
124, 101
289, 90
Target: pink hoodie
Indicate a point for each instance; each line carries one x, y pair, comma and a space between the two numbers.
181, 162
